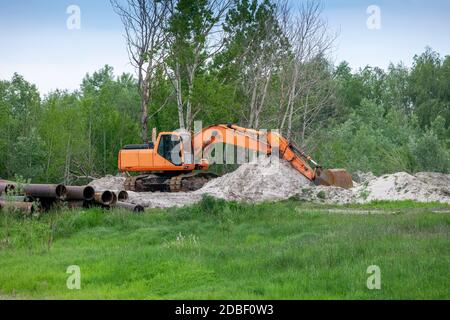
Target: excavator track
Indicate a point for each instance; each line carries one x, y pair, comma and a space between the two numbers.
184, 182
190, 181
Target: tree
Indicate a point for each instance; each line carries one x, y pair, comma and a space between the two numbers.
28, 157
194, 38
425, 146
254, 47
106, 125
429, 87
20, 107
304, 71
145, 23
395, 93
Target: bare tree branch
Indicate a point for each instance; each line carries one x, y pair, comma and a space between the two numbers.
145, 23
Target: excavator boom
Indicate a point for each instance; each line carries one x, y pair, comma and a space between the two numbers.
272, 143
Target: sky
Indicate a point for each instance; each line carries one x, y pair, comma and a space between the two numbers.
36, 42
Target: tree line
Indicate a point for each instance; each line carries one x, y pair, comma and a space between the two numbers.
260, 64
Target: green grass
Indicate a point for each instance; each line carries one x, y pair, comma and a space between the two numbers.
226, 250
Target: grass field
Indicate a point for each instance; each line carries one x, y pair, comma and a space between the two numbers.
226, 250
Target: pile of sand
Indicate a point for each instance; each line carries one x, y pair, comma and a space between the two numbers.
361, 177
108, 183
329, 195
422, 187
163, 199
269, 179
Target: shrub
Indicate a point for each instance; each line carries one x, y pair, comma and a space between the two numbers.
430, 153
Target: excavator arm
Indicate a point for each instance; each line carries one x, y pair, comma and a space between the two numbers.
270, 143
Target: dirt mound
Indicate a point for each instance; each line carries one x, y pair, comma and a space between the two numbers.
423, 187
438, 180
361, 177
329, 195
163, 199
108, 183
268, 178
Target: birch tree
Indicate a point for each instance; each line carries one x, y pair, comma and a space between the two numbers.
145, 23
255, 46
195, 37
310, 42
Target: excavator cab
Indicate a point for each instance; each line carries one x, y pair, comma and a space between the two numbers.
172, 151
170, 148
168, 165
166, 154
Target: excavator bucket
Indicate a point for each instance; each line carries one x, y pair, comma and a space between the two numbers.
334, 177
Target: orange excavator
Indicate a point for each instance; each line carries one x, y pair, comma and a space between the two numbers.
174, 161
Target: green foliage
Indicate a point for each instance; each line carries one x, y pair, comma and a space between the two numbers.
388, 122
430, 154
67, 135
28, 156
379, 121
369, 141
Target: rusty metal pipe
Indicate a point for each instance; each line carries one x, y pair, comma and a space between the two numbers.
80, 193
130, 206
25, 207
104, 197
122, 195
17, 198
57, 191
114, 202
6, 186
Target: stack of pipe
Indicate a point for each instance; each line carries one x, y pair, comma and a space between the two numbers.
6, 186
116, 198
26, 197
24, 207
29, 197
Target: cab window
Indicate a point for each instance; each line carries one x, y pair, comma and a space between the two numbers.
170, 148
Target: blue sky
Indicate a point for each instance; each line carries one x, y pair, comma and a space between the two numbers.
35, 42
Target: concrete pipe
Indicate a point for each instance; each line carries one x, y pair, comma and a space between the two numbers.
114, 202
